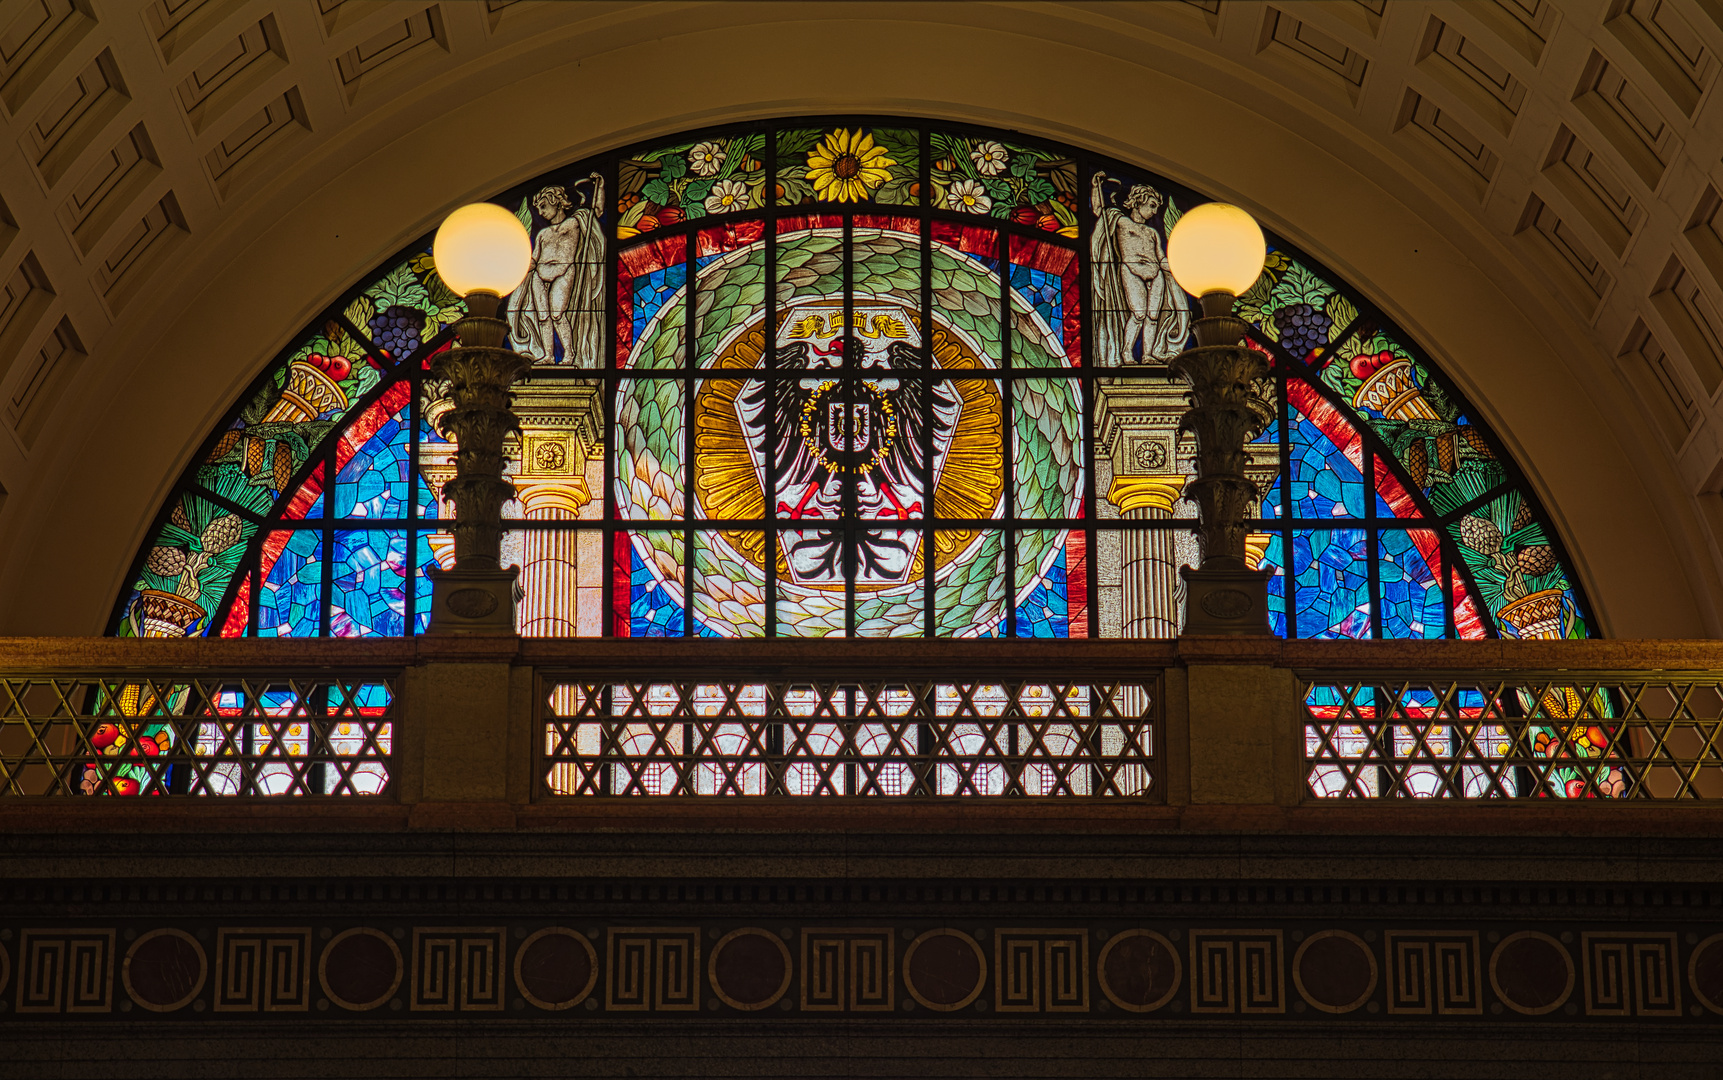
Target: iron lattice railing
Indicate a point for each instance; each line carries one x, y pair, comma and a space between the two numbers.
796, 737
206, 734
1514, 735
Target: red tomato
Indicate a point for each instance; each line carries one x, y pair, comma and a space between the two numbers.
339, 368
669, 215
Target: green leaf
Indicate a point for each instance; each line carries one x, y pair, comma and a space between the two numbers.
524, 213
999, 190
1170, 215
695, 193
675, 166
1022, 165
631, 175
797, 141
1040, 191
1066, 218
796, 188
400, 288
656, 192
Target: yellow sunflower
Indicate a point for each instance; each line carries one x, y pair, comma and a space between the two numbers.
847, 166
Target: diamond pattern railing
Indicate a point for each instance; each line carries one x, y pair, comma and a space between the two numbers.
851, 738
1514, 735
206, 734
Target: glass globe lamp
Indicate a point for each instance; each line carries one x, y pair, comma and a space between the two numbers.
482, 248
1216, 248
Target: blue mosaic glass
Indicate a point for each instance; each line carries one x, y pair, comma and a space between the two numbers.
1044, 613
652, 290
1325, 483
651, 610
423, 563
1411, 591
290, 604
1331, 574
373, 484
1274, 559
1044, 291
369, 598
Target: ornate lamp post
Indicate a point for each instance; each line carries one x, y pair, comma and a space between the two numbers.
482, 252
1216, 252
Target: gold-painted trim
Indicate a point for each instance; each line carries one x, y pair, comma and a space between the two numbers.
770, 999
591, 963
360, 1006
1101, 971
1298, 972
980, 963
1154, 492
126, 971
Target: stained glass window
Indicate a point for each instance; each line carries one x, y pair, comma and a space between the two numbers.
852, 378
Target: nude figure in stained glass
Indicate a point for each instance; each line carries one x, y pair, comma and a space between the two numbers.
1140, 314
562, 296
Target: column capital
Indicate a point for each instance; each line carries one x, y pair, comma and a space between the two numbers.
558, 497
1156, 492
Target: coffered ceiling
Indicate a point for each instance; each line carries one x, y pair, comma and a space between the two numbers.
1569, 148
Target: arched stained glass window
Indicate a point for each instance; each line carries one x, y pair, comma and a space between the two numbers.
852, 378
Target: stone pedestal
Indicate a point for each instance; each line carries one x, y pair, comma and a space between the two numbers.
473, 601
1232, 602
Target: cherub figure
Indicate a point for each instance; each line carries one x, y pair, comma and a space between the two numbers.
1141, 316
563, 294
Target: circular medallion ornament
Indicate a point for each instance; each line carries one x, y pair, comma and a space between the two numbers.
1226, 604
1704, 973
472, 603
360, 968
549, 456
750, 969
163, 970
1532, 973
556, 968
830, 413
1335, 971
1150, 455
944, 969
1139, 970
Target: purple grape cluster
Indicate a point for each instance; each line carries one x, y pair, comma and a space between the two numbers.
396, 331
1303, 328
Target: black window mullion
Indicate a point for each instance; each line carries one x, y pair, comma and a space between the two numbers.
1007, 431
1372, 548
329, 487
689, 362
1289, 591
607, 559
770, 454
930, 387
1091, 496
849, 375
410, 563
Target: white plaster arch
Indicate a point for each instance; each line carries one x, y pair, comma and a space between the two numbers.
1122, 79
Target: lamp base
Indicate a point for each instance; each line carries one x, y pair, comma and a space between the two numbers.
473, 601
1233, 602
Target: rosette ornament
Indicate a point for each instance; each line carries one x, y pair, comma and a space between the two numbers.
482, 252
1216, 251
